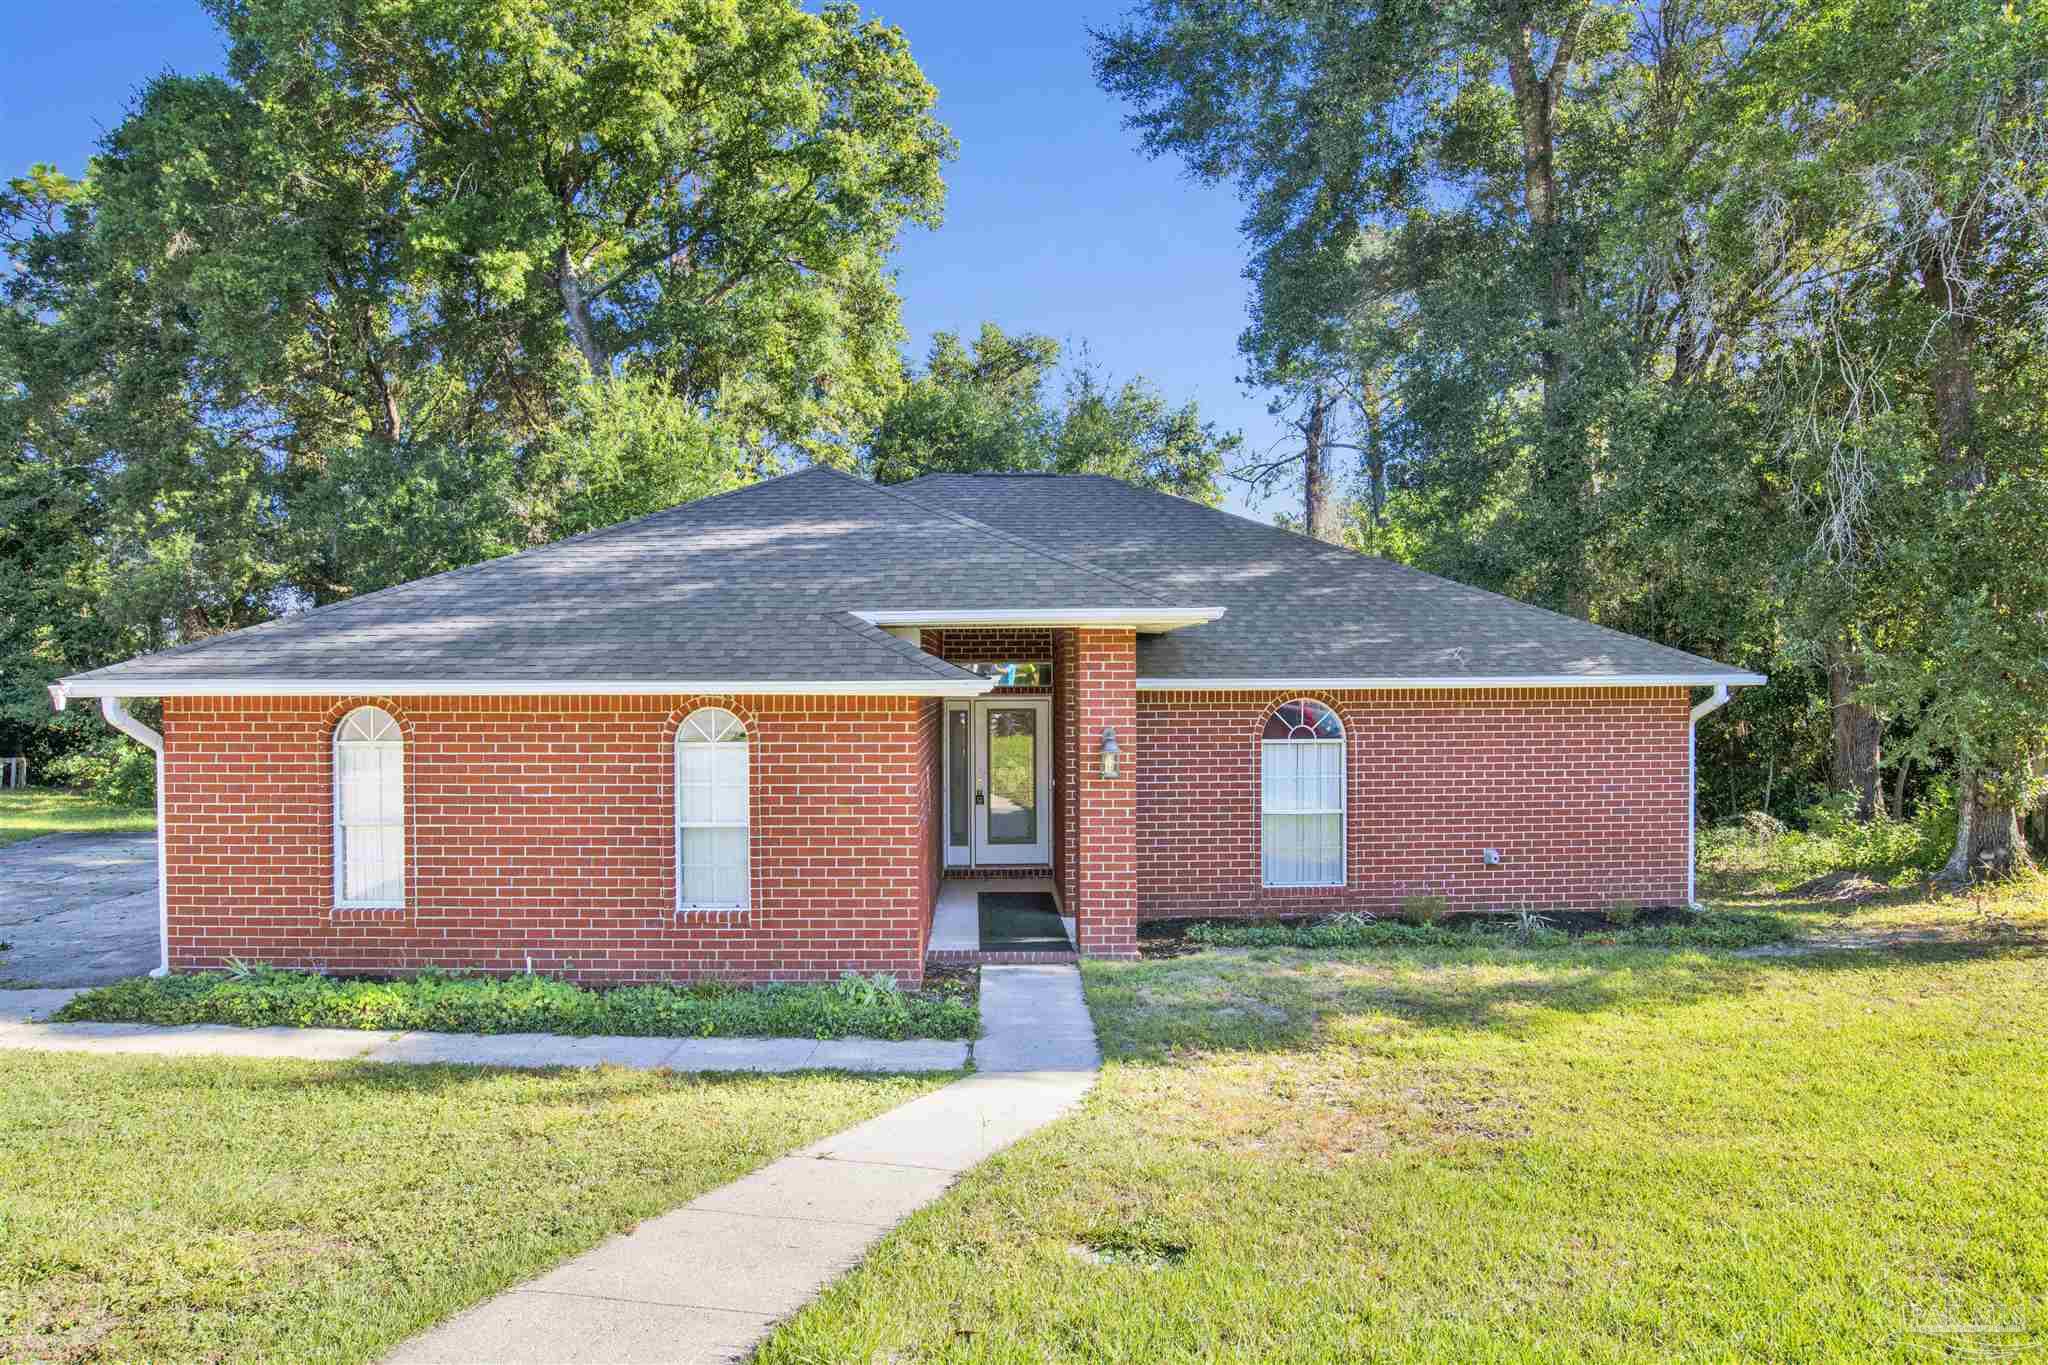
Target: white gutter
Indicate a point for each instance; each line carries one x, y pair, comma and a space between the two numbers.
118, 717
456, 687
1152, 621
1409, 684
1692, 791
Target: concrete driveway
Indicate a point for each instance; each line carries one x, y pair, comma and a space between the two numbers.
78, 909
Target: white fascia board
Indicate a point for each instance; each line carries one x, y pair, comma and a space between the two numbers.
1151, 621
390, 687
1415, 684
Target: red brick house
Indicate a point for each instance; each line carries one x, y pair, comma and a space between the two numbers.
795, 729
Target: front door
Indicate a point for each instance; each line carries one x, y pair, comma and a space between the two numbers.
999, 782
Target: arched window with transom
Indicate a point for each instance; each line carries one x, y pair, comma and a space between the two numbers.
1301, 796
711, 811
369, 810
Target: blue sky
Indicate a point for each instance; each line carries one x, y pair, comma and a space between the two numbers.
1054, 222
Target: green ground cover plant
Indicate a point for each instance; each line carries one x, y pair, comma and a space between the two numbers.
853, 1006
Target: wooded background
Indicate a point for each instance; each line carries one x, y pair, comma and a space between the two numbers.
1716, 321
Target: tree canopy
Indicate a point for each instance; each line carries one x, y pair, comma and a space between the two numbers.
983, 408
1717, 322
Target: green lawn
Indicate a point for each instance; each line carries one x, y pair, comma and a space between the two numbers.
233, 1210
1492, 1154
36, 811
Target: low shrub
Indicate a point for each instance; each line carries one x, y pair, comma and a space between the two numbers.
1622, 914
1338, 931
853, 1006
113, 770
1755, 850
1526, 929
1423, 910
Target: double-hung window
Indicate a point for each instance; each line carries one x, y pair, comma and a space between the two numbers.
711, 811
369, 811
1301, 796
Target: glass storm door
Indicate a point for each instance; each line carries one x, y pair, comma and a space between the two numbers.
999, 782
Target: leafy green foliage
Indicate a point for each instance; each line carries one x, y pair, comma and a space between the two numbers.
1719, 324
109, 769
416, 283
984, 409
251, 997
1831, 840
1423, 910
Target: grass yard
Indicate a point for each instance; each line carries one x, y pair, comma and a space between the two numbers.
1487, 1153
35, 811
230, 1210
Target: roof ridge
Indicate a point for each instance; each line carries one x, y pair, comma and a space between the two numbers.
595, 532
1014, 538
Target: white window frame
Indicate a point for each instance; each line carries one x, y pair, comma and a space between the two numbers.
1341, 745
367, 727
712, 730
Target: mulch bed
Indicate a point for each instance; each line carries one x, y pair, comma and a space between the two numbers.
950, 978
1167, 938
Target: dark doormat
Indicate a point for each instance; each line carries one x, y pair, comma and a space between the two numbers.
1021, 922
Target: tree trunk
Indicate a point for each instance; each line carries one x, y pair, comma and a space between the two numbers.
1565, 471
1535, 112
1375, 458
1858, 737
1988, 843
576, 312
1318, 509
1899, 788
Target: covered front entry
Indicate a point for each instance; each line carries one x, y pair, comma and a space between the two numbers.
998, 782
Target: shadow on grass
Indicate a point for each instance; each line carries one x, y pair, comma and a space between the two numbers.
1292, 1000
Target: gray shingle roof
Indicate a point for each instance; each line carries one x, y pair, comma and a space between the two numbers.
1300, 611
761, 586
755, 585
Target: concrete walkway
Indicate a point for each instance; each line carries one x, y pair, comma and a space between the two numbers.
708, 1281
22, 1013
78, 909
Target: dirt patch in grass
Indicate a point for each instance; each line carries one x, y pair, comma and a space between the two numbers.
1848, 886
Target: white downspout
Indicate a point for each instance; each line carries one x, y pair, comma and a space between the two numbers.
118, 717
1692, 805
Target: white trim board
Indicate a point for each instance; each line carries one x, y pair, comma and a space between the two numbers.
1416, 684
61, 692
1152, 621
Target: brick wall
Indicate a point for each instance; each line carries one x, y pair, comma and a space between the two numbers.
931, 754
1583, 790
991, 645
1103, 871
1065, 790
542, 829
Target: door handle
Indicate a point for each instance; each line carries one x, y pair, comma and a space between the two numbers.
977, 798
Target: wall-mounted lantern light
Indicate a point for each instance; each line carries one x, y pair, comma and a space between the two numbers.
1112, 757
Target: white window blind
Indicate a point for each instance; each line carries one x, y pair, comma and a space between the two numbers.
1301, 788
369, 810
711, 811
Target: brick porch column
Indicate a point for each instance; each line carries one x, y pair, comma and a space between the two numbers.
1103, 675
